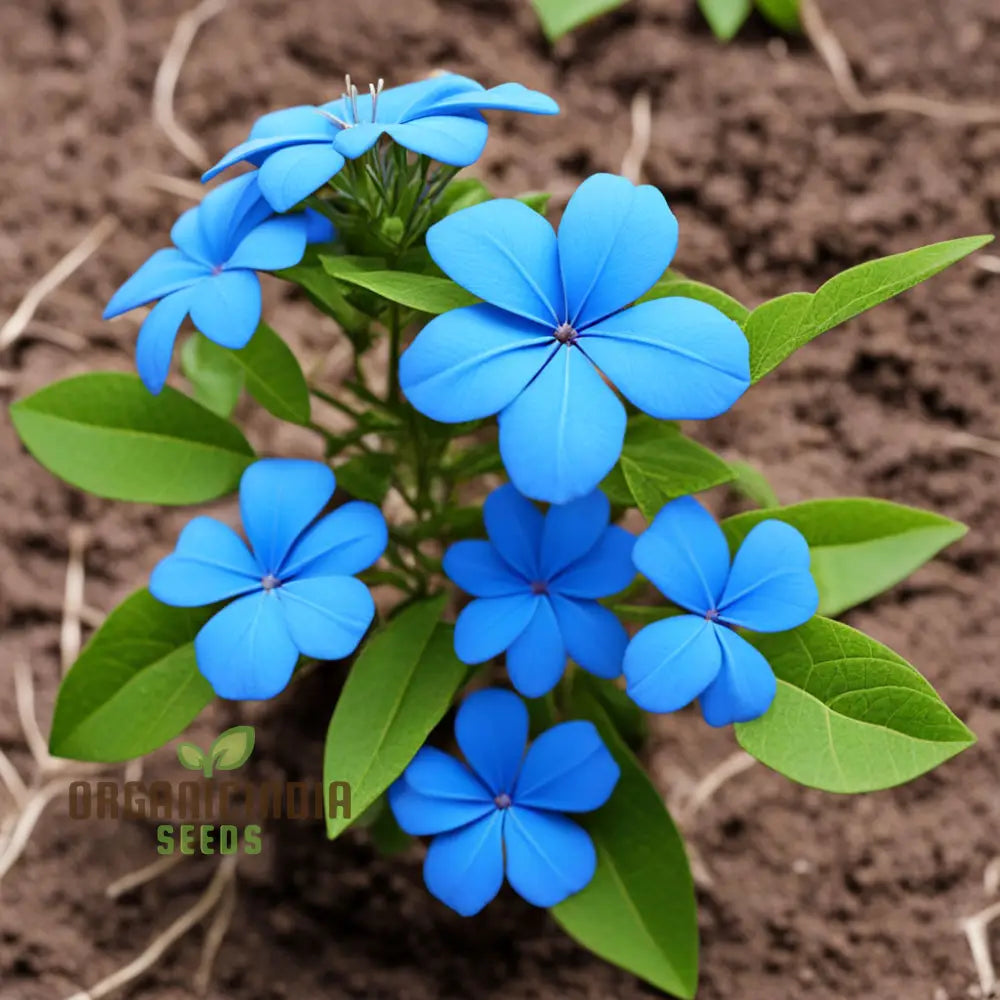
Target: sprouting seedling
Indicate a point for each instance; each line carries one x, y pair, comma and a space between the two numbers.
228, 751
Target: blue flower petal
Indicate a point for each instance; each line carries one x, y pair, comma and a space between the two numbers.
549, 857
343, 543
272, 245
464, 867
567, 769
674, 358
537, 657
744, 687
491, 728
210, 563
770, 588
477, 568
564, 433
256, 151
604, 570
471, 362
245, 650
228, 213
399, 104
685, 555
279, 497
357, 140
669, 663
594, 637
438, 775
295, 172
165, 272
326, 616
155, 346
319, 229
422, 815
303, 120
515, 526
488, 625
186, 234
505, 97
456, 140
226, 307
506, 253
572, 530
615, 241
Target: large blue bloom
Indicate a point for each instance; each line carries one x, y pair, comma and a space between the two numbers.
537, 580
553, 322
210, 273
299, 149
768, 588
504, 810
294, 587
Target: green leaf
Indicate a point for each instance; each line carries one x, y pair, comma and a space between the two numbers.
273, 376
672, 285
327, 294
561, 16
639, 910
190, 756
461, 193
644, 614
366, 477
216, 379
783, 14
859, 547
107, 434
850, 715
398, 690
782, 325
536, 200
232, 748
750, 482
621, 710
387, 835
658, 463
135, 686
423, 292
725, 17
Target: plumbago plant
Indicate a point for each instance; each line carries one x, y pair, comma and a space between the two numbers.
588, 348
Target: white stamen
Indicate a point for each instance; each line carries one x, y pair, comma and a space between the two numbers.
334, 118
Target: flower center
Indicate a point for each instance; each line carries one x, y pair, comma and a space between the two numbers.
350, 98
539, 587
565, 333
712, 615
502, 801
270, 582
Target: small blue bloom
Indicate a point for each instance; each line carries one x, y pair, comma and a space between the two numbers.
209, 273
537, 580
294, 586
554, 322
505, 808
299, 149
768, 588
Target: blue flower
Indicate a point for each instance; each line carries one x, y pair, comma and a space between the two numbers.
553, 322
294, 587
209, 273
299, 149
504, 810
768, 588
536, 581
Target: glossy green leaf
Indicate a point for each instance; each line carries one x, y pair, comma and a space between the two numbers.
398, 690
214, 376
658, 463
366, 477
106, 433
639, 910
750, 482
674, 285
135, 686
782, 325
561, 16
423, 292
725, 17
626, 716
273, 376
783, 14
461, 193
859, 547
850, 715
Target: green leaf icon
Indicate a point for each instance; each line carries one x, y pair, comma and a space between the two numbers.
232, 748
190, 756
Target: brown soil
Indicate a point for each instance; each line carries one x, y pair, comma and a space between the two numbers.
777, 187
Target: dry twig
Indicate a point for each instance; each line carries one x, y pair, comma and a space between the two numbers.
169, 73
642, 128
70, 634
141, 876
736, 763
832, 53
